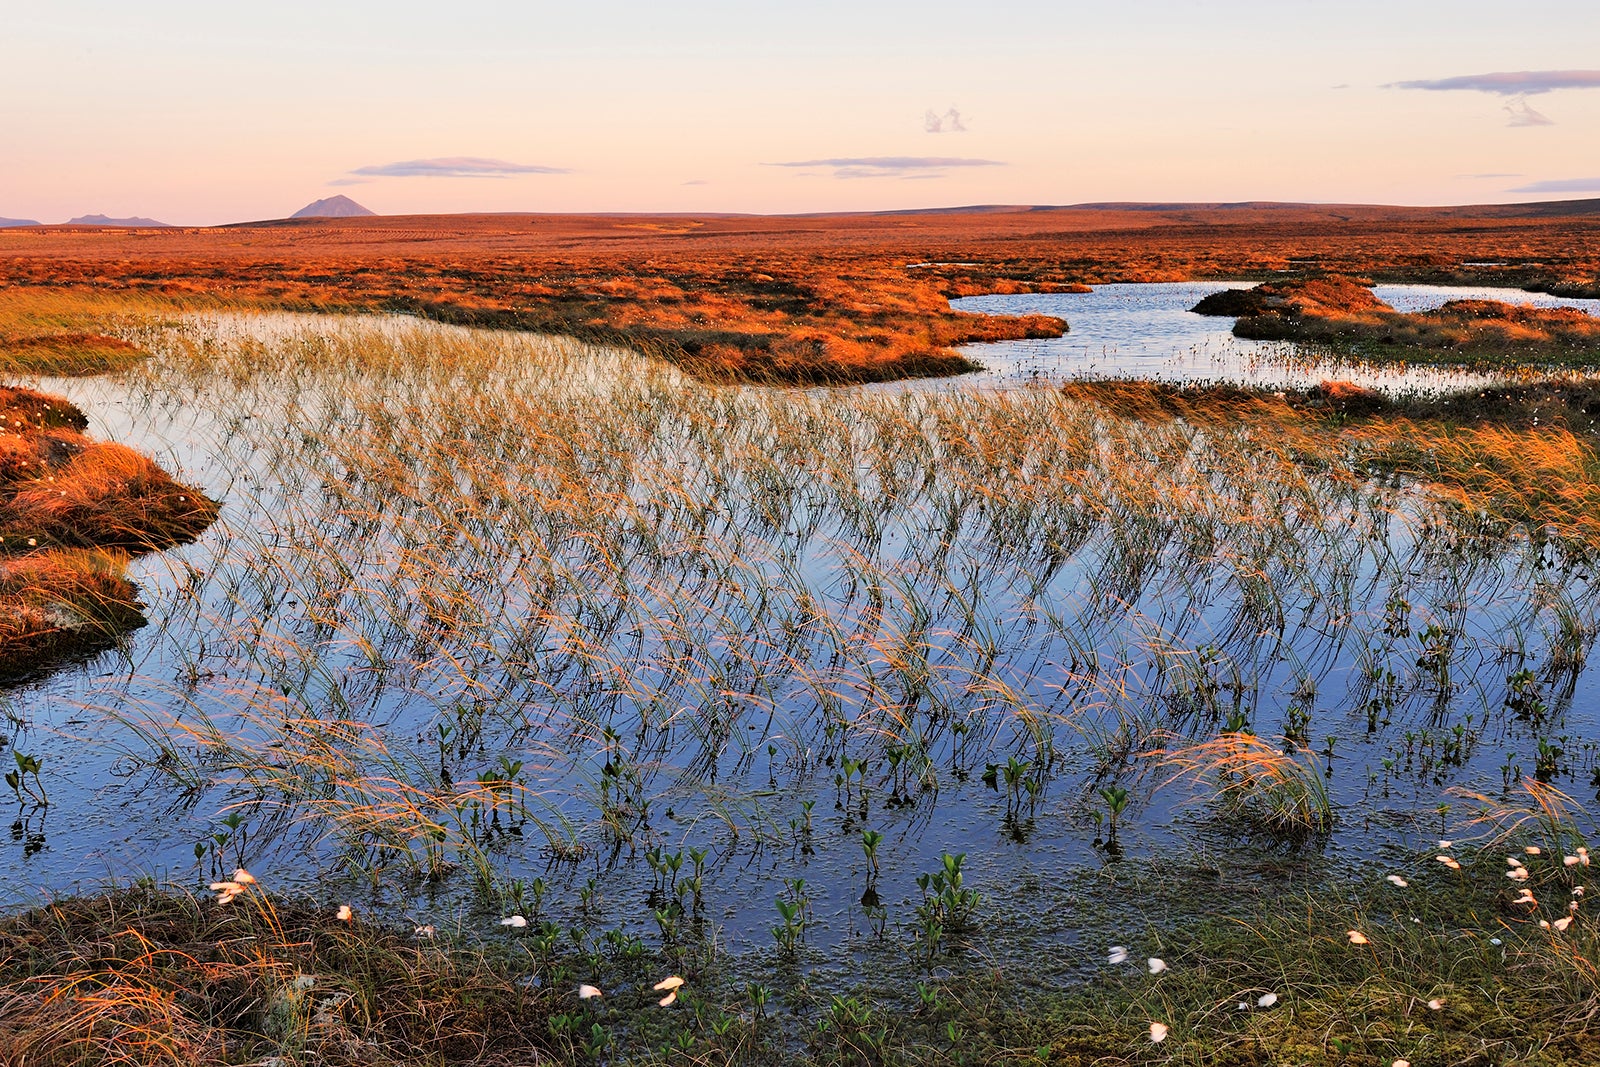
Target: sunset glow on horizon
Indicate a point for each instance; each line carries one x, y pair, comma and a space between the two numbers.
194, 114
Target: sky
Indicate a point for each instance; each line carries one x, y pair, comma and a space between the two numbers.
200, 113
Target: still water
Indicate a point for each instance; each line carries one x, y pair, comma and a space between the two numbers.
1147, 331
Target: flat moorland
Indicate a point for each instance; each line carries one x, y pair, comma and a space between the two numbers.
813, 299
574, 708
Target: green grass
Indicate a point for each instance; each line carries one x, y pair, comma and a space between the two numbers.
1453, 972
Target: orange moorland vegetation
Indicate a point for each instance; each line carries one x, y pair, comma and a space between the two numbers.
66, 353
819, 298
1343, 313
72, 511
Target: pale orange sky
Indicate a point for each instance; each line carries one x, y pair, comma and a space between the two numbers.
203, 113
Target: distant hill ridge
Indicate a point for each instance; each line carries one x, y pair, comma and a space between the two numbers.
105, 220
333, 207
5, 223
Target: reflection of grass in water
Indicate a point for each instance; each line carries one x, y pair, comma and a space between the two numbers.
548, 553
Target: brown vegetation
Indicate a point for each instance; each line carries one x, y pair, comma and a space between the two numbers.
142, 977
1343, 314
71, 511
798, 298
1515, 454
66, 353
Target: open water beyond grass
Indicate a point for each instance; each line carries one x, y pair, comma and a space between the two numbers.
1146, 331
494, 623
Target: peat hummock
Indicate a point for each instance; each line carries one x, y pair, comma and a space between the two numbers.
1343, 314
72, 513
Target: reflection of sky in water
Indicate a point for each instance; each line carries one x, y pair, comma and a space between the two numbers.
1161, 621
1147, 331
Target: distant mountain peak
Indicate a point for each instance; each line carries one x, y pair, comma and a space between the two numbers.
7, 223
105, 220
333, 207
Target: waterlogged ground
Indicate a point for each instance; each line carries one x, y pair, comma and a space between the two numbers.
485, 608
1146, 330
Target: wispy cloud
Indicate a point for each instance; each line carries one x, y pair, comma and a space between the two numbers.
697, 181
1561, 185
454, 167
1509, 83
1520, 114
889, 166
1491, 174
1517, 84
351, 181
949, 122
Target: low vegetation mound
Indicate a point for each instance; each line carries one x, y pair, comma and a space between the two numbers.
72, 510
137, 976
1342, 314
1321, 297
67, 354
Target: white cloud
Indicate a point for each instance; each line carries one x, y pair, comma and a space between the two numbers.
949, 122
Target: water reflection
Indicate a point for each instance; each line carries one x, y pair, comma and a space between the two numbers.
1146, 330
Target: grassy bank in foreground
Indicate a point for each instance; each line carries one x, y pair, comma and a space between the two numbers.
1433, 959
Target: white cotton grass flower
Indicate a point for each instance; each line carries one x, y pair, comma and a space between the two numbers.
1533, 850
1118, 954
1158, 1032
1357, 937
588, 992
1396, 880
516, 921
1449, 861
670, 982
1266, 1000
1156, 965
1436, 1004
344, 913
1400, 1063
244, 877
666, 1001
426, 931
1562, 923
1512, 861
226, 891
1570, 861
1518, 874
1526, 897
1446, 844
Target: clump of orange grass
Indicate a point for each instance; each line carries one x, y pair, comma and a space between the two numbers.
71, 510
73, 353
156, 977
54, 603
1255, 782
